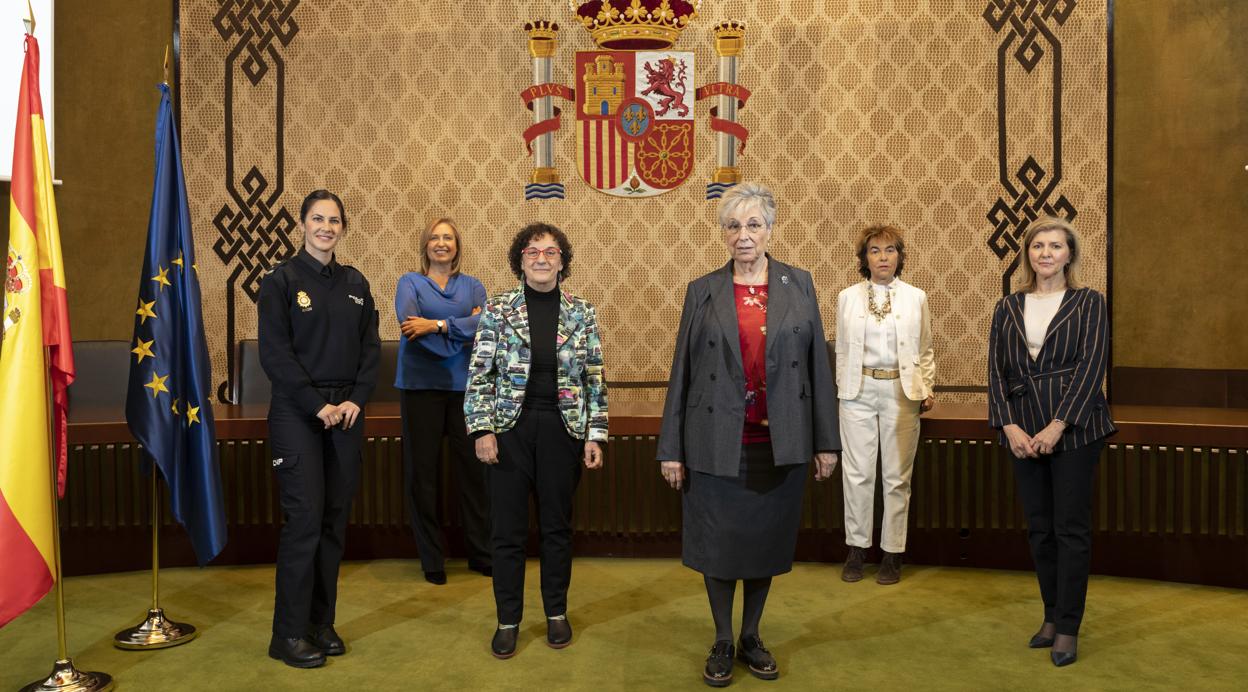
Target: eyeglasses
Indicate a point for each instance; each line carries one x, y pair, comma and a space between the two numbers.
753, 227
531, 253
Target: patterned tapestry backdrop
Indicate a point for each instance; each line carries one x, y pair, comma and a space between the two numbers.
958, 120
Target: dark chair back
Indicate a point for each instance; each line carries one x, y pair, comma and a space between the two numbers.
102, 375
252, 386
385, 391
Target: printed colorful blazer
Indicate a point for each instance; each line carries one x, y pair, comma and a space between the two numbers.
498, 371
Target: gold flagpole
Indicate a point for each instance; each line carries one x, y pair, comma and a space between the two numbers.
155, 632
64, 676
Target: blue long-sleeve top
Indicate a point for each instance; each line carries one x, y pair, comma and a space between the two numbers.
437, 361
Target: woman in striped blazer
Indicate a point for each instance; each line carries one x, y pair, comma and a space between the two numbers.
1046, 364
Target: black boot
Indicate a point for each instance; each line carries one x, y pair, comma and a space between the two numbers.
852, 571
295, 652
326, 639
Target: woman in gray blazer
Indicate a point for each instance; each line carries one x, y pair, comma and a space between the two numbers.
750, 350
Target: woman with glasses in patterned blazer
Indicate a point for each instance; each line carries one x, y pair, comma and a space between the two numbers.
1046, 364
537, 406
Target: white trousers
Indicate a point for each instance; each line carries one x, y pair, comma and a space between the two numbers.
880, 421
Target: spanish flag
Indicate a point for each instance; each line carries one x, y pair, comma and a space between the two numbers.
35, 317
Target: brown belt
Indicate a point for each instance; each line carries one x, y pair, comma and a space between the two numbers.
881, 374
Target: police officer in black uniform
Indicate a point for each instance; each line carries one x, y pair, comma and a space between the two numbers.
319, 347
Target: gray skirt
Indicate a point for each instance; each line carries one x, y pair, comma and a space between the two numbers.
743, 527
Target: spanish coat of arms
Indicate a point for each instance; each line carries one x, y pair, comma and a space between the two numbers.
634, 103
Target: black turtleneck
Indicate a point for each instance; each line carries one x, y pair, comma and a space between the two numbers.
541, 392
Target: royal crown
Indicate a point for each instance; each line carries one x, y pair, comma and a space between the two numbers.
635, 24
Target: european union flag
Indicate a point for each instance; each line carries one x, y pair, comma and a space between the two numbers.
168, 406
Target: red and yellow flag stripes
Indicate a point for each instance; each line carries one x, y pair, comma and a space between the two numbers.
35, 316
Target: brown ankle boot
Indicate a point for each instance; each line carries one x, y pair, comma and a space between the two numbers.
890, 569
852, 571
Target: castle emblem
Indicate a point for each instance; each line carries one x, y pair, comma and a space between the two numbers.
634, 101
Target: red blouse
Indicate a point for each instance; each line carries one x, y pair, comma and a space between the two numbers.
752, 328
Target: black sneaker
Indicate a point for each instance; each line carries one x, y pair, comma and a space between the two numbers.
718, 671
760, 661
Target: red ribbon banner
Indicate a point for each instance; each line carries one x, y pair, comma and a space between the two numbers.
537, 91
720, 124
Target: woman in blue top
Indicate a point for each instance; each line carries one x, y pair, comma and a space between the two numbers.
438, 309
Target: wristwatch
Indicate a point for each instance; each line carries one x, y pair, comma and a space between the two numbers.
441, 326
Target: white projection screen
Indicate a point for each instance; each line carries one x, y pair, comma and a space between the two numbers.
12, 53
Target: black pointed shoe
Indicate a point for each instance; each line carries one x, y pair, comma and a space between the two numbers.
327, 640
295, 652
852, 571
753, 654
438, 577
558, 632
1063, 658
718, 671
504, 643
1039, 641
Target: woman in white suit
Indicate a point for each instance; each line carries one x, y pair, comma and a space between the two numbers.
885, 372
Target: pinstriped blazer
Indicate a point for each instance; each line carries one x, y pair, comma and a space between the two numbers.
1064, 381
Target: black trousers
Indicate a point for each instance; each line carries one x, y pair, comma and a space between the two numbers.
317, 472
428, 415
1056, 490
536, 457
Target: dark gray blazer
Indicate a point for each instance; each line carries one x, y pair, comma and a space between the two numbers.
705, 409
1064, 381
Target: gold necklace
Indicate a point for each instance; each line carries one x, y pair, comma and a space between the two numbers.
876, 311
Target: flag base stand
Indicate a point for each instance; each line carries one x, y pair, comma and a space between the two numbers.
156, 632
66, 678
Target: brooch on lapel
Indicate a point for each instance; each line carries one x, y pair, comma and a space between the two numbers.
784, 279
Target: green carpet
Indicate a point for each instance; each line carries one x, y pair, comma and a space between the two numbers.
644, 624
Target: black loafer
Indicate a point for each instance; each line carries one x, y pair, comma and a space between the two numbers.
327, 640
718, 671
295, 652
482, 568
504, 643
558, 632
438, 577
753, 654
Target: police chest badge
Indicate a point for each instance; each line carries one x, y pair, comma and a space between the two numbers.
634, 101
303, 301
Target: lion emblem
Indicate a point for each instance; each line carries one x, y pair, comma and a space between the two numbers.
664, 82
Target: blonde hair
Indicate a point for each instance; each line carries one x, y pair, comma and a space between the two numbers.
426, 234
1027, 275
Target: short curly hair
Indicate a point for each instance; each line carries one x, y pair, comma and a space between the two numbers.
886, 233
532, 232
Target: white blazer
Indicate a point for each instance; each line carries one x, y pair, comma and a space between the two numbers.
914, 340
